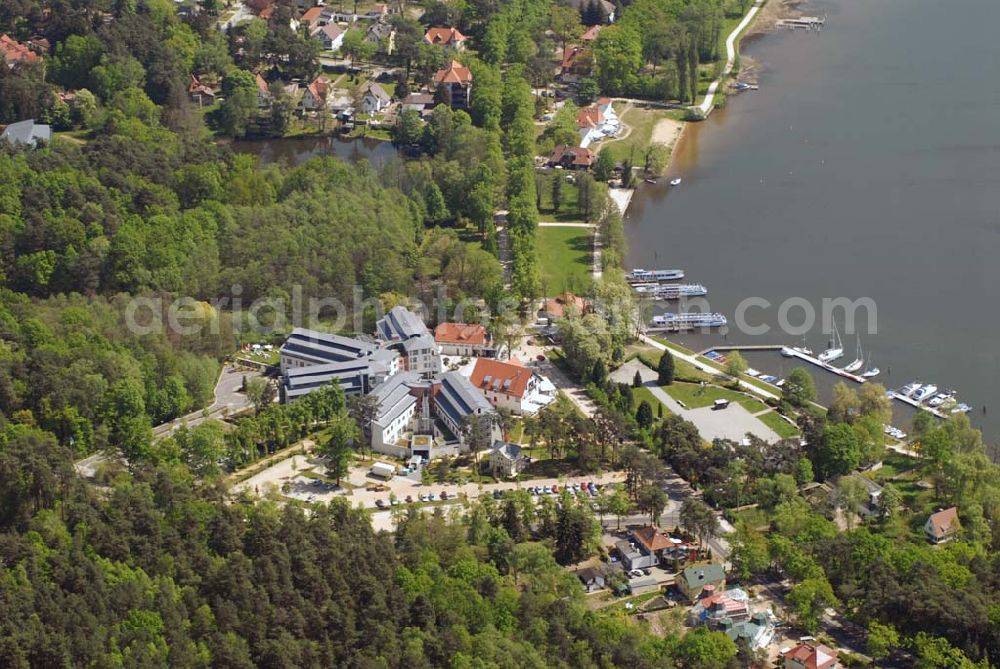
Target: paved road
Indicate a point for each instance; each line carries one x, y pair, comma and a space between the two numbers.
709, 101
228, 399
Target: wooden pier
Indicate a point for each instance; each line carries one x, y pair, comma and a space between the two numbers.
804, 22
827, 366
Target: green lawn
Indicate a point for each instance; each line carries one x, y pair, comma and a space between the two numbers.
641, 123
565, 259
568, 192
782, 427
711, 363
695, 395
640, 394
683, 370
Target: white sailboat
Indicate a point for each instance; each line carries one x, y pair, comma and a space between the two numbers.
836, 349
869, 370
859, 361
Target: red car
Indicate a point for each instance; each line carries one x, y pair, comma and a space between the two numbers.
540, 358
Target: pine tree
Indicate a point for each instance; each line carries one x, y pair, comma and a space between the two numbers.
637, 380
665, 369
644, 414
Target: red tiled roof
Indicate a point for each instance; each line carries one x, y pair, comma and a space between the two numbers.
589, 117
319, 87
556, 307
16, 52
455, 73
651, 538
944, 523
261, 84
813, 657
575, 58
592, 33
444, 36
499, 374
578, 157
460, 333
312, 14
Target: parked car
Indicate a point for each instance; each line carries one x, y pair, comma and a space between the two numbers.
423, 497
444, 495
555, 489
409, 499
647, 571
547, 490
636, 573
380, 503
431, 498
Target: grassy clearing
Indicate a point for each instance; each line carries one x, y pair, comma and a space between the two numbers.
782, 427
640, 394
641, 123
568, 192
711, 363
565, 258
694, 396
683, 370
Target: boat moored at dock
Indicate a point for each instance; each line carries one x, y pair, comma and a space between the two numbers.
687, 321
674, 291
654, 275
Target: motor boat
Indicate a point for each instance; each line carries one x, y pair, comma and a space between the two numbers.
676, 181
923, 393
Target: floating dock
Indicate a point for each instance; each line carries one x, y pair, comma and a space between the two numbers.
824, 365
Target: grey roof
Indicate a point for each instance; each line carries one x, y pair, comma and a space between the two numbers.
354, 377
378, 31
400, 324
507, 451
458, 398
590, 574
376, 90
26, 132
626, 549
394, 396
704, 574
322, 347
607, 7
422, 341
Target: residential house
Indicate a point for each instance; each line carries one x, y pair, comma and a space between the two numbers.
507, 460
590, 35
374, 98
511, 385
26, 132
694, 580
577, 61
942, 526
331, 36
448, 38
571, 158
810, 656
315, 96
592, 579
379, 11
201, 94
757, 632
464, 339
16, 53
714, 607
314, 17
606, 8
404, 331
383, 35
423, 103
559, 306
644, 547
597, 121
457, 81
263, 92
874, 491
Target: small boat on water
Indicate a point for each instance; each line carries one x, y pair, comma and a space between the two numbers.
962, 408
940, 398
788, 351
869, 370
836, 349
676, 181
923, 393
909, 389
859, 361
651, 180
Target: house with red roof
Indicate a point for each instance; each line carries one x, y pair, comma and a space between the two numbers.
577, 61
315, 96
263, 92
942, 526
16, 53
451, 39
511, 385
571, 158
597, 121
810, 656
201, 94
465, 339
557, 307
591, 34
457, 80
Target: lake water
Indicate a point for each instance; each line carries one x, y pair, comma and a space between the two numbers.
297, 150
867, 165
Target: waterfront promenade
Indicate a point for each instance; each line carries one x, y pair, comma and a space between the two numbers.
708, 103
